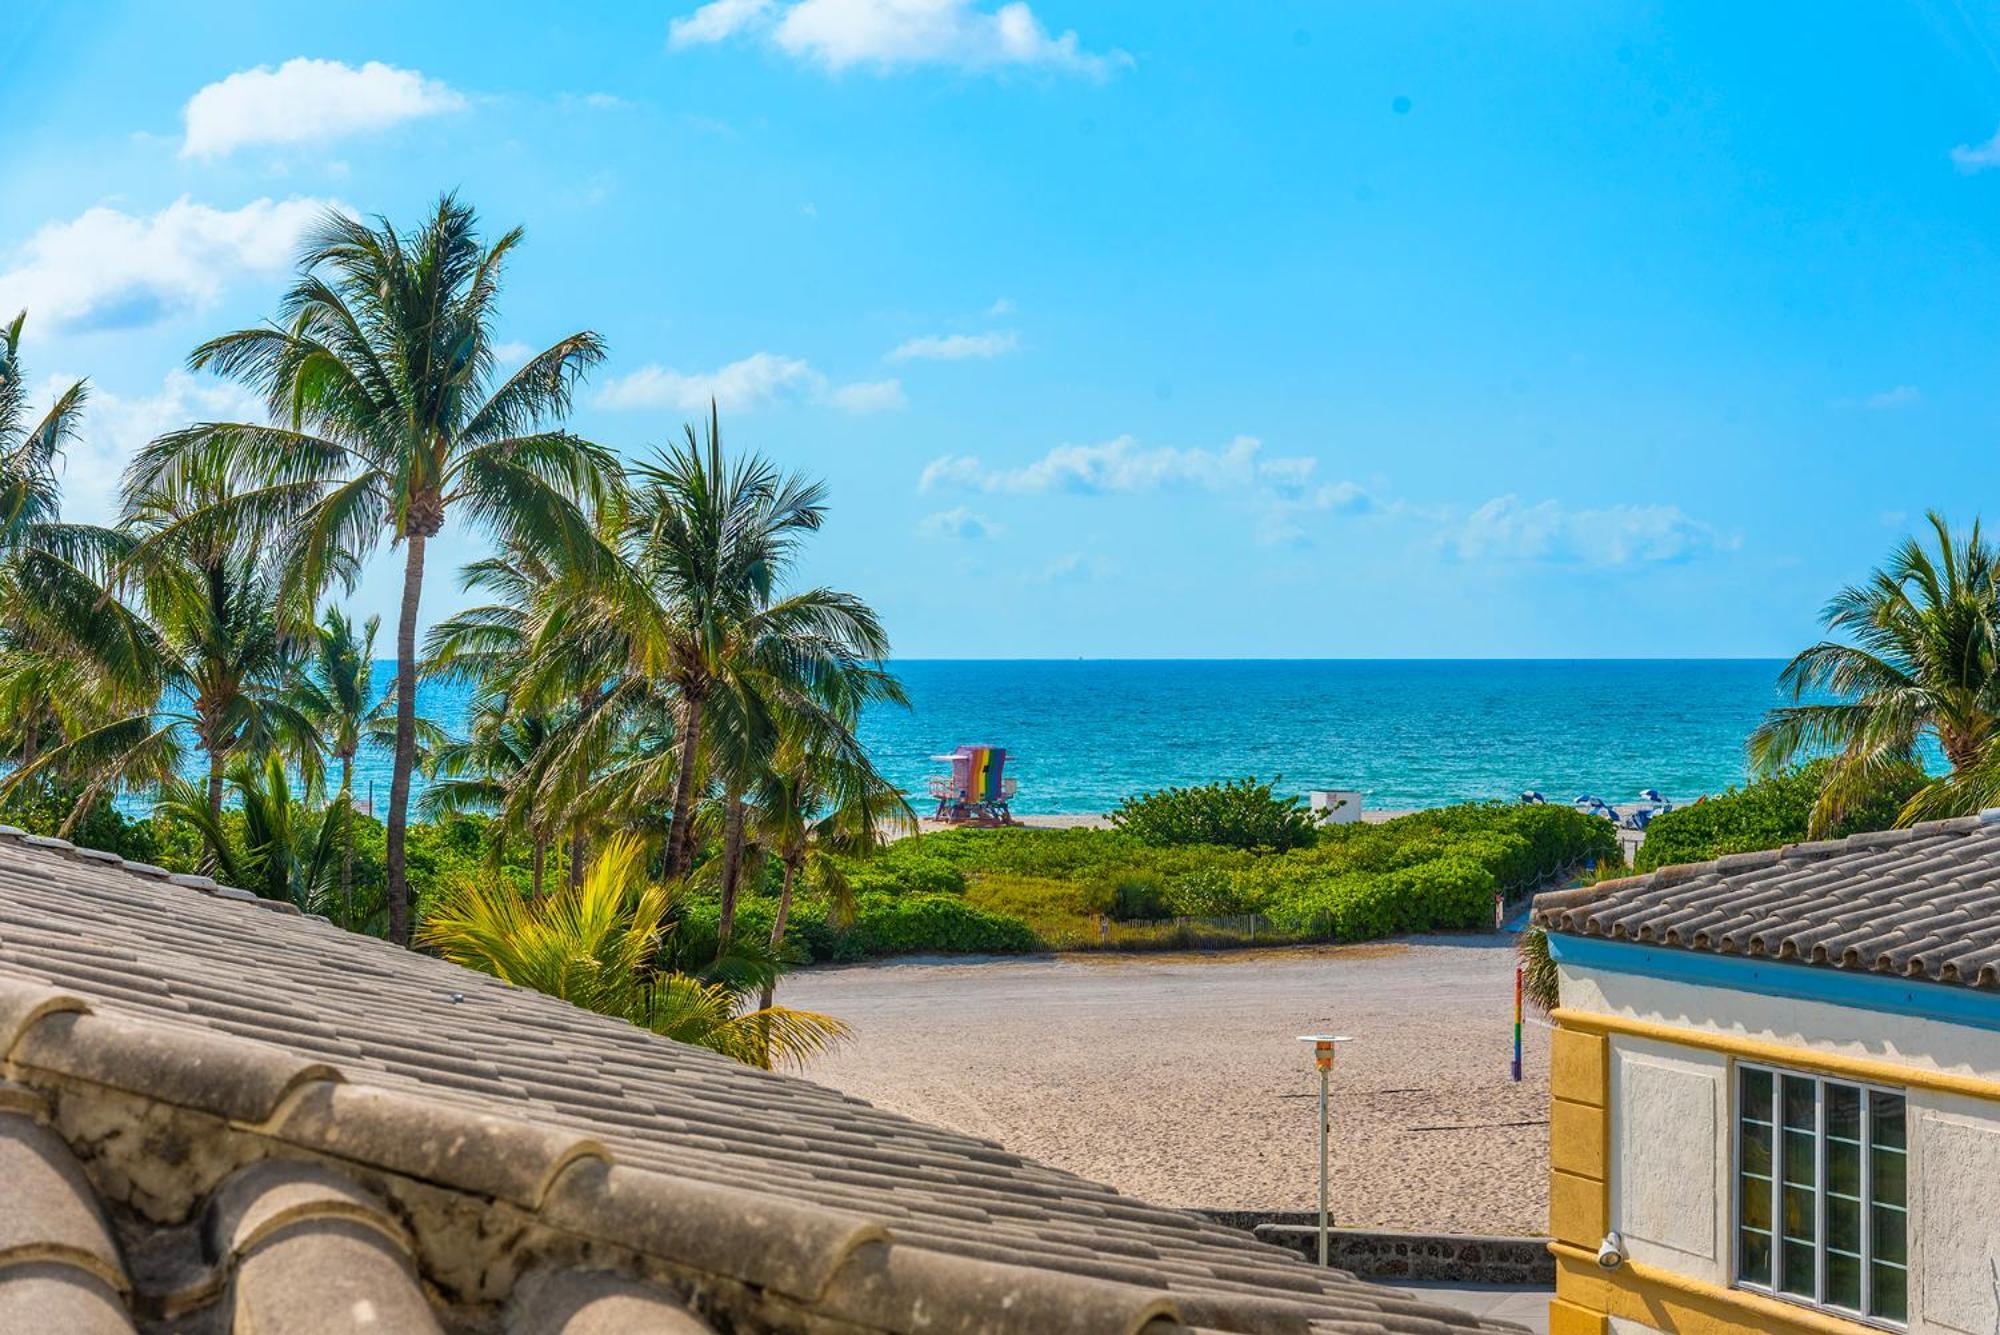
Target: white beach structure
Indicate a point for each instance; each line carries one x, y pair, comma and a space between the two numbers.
1335, 806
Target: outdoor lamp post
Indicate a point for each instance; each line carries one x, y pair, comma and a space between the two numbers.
1323, 1059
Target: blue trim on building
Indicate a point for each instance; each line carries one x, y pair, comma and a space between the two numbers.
1952, 1003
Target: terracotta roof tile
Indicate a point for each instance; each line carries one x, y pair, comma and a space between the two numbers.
299, 1128
1922, 902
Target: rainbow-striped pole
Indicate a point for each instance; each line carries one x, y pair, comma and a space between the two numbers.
1517, 1023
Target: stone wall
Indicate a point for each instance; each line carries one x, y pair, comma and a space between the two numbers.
1452, 1258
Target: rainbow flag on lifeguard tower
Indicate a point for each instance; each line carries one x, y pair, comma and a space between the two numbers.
977, 789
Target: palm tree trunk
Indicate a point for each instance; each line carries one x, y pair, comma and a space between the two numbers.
540, 861
732, 869
347, 842
680, 838
579, 850
406, 741
209, 860
778, 927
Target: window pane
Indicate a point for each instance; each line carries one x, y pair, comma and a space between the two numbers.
1799, 1151
1754, 1202
1886, 1111
1890, 1298
1757, 1149
1755, 1250
1843, 1169
1888, 1228
1843, 1281
1843, 1112
1800, 1101
1843, 1224
1798, 1277
1801, 1207
1888, 1176
1757, 1095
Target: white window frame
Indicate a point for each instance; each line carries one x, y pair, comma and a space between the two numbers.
1778, 1075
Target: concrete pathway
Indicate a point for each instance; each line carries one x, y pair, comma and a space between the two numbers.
1501, 1302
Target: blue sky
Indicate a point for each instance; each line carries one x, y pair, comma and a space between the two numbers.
1126, 329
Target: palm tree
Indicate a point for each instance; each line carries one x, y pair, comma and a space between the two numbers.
712, 539
539, 658
382, 382
29, 492
821, 798
1922, 660
288, 851
494, 771
183, 644
39, 683
598, 946
337, 696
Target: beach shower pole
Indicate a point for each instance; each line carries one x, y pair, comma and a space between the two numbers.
1518, 971
1323, 1059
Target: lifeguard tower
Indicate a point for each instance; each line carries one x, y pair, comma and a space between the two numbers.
977, 791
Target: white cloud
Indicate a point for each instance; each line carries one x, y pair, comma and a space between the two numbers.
1977, 157
1001, 306
307, 101
1122, 465
1506, 530
869, 396
1902, 396
110, 269
508, 356
955, 347
959, 522
887, 34
761, 380
116, 425
718, 21
758, 380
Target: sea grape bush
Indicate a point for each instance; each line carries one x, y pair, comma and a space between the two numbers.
1240, 814
1432, 871
1765, 814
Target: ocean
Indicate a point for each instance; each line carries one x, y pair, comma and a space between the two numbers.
1413, 733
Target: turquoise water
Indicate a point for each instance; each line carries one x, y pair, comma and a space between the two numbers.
1406, 733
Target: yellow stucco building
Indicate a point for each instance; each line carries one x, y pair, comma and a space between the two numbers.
1775, 1091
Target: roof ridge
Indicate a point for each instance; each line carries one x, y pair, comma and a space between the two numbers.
57, 846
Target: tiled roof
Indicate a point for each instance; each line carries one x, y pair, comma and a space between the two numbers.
214, 1117
1923, 902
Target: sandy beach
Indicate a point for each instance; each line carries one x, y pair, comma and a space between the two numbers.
1179, 1078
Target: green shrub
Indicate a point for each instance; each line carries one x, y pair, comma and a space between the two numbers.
1242, 814
1138, 894
907, 866
42, 809
1086, 889
1766, 814
929, 924
1206, 892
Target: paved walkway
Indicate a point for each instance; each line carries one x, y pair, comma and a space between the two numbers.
1501, 1302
